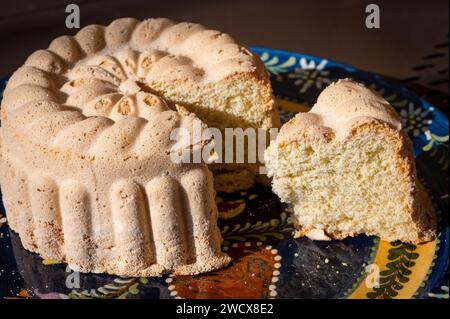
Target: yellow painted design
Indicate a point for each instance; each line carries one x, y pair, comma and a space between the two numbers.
48, 262
230, 209
292, 107
418, 271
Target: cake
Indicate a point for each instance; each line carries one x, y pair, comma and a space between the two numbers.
86, 173
346, 168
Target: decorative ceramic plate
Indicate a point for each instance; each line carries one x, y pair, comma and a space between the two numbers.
268, 262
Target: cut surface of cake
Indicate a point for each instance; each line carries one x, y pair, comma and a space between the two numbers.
86, 174
347, 168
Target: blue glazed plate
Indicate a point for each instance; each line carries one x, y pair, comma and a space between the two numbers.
268, 262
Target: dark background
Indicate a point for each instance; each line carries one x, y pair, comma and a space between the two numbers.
411, 45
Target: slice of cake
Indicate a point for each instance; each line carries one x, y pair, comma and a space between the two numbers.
347, 168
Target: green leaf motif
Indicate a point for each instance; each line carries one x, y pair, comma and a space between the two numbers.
401, 257
134, 289
274, 66
275, 228
434, 141
118, 288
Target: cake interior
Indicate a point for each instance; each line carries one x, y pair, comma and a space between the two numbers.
349, 187
237, 102
240, 102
